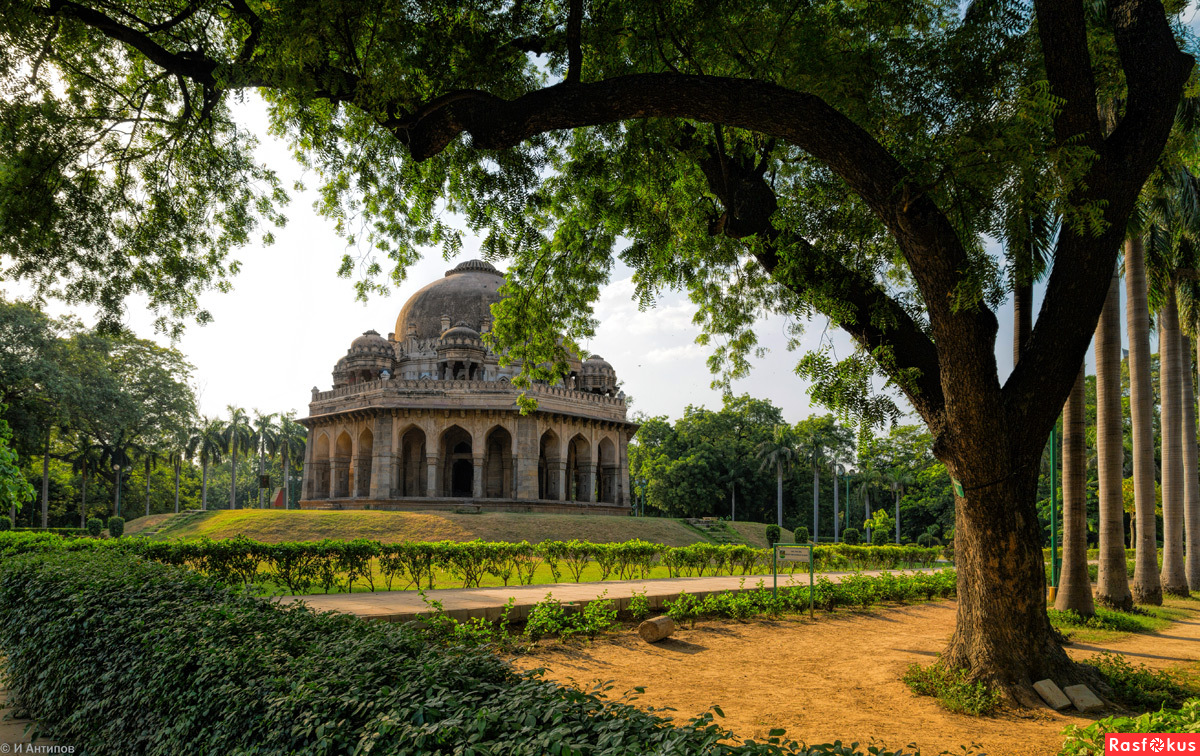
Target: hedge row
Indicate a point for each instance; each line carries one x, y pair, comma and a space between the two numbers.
340, 565
115, 654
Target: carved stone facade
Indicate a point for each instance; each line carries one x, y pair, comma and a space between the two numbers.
429, 420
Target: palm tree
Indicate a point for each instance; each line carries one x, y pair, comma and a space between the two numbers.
837, 470
293, 438
1075, 588
184, 450
209, 445
85, 458
265, 442
868, 476
150, 458
235, 437
780, 453
1113, 587
900, 478
1147, 589
1173, 577
1191, 478
815, 453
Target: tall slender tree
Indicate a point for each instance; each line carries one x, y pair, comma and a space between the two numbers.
778, 453
236, 436
1074, 588
1147, 588
1191, 475
1170, 366
1112, 589
209, 445
292, 442
265, 442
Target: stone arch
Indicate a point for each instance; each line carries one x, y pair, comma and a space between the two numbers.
581, 471
342, 451
498, 463
362, 463
606, 459
320, 467
412, 474
457, 462
550, 466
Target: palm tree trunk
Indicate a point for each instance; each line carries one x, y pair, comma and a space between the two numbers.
1173, 576
1112, 589
233, 474
1074, 587
147, 487
1147, 589
204, 485
178, 464
46, 483
896, 491
1191, 475
816, 501
867, 509
779, 495
835, 504
287, 494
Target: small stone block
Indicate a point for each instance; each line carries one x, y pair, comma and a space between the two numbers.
1083, 698
1051, 694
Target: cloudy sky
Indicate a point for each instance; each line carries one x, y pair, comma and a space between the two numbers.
290, 318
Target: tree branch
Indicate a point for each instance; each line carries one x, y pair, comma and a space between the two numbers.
574, 32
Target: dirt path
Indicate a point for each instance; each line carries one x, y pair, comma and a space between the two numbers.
834, 679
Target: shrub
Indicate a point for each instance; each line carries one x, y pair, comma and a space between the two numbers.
952, 689
1140, 686
116, 527
801, 535
639, 606
881, 537
5, 523
773, 534
202, 669
1084, 741
927, 540
852, 536
95, 526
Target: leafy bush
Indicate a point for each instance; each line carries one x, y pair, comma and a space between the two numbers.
116, 527
927, 540
95, 526
639, 606
1086, 741
852, 536
202, 669
773, 534
5, 523
801, 535
952, 689
72, 532
1140, 686
881, 537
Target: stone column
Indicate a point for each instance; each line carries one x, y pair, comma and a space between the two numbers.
588, 493
558, 479
381, 458
477, 477
431, 484
623, 491
308, 483
525, 458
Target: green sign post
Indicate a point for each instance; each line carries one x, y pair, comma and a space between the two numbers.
792, 552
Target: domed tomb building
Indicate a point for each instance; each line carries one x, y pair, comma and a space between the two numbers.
427, 418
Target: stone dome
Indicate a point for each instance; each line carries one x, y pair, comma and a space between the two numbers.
596, 363
370, 341
466, 293
462, 330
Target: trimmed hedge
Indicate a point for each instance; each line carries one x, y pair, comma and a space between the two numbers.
338, 566
70, 532
116, 654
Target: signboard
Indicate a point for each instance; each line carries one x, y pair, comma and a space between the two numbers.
793, 553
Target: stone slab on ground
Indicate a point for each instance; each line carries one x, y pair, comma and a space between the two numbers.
1052, 694
1083, 698
489, 603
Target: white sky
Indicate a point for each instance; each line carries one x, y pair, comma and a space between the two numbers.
290, 318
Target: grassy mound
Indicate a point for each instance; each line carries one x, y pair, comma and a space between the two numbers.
272, 526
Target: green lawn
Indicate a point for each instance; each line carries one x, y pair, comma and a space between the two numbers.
1108, 625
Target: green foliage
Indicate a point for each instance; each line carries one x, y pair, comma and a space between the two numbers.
953, 689
1139, 686
15, 491
5, 523
116, 527
801, 534
772, 534
851, 536
881, 537
236, 674
95, 526
1089, 740
927, 540
639, 606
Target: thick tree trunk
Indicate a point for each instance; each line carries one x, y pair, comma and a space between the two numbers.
1112, 589
1191, 476
1147, 589
1074, 587
1173, 577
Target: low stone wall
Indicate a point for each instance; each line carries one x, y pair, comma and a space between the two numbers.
471, 506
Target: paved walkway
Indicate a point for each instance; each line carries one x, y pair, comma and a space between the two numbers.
463, 603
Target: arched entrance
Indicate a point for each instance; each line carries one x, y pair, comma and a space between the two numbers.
412, 464
607, 452
362, 463
497, 464
341, 466
581, 473
320, 468
458, 465
549, 467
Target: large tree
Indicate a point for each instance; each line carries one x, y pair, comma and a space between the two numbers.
826, 157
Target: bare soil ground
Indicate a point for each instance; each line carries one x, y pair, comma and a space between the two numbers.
273, 526
836, 678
